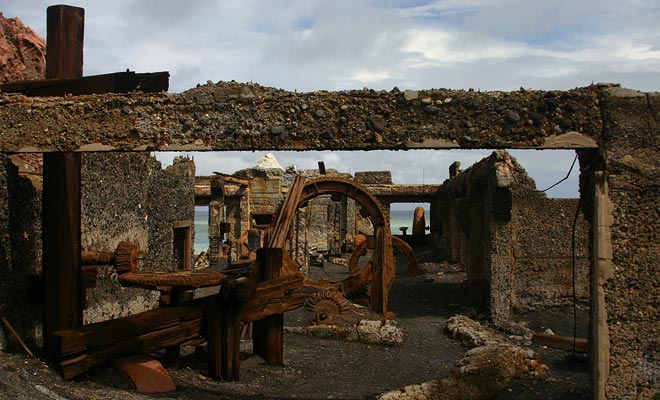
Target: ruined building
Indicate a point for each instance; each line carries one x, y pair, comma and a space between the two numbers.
612, 129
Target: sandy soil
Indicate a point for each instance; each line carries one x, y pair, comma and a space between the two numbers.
330, 369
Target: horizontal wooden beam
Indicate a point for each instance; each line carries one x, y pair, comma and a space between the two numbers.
560, 342
119, 82
104, 334
142, 344
274, 296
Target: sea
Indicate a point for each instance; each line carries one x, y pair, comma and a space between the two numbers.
398, 218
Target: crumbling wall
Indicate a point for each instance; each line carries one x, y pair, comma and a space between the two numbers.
130, 197
632, 294
514, 242
542, 253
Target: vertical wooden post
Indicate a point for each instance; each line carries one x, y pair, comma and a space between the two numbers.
268, 333
61, 189
383, 270
223, 333
212, 319
64, 42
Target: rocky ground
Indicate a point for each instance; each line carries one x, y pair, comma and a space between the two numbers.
317, 368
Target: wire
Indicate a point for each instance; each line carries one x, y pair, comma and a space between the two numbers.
562, 180
574, 272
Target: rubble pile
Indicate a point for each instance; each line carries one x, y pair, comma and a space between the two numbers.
486, 369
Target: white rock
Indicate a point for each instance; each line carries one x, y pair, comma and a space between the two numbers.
268, 162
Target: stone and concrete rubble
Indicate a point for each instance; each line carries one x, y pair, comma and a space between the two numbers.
486, 369
386, 333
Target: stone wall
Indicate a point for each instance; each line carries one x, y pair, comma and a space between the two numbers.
513, 241
542, 255
20, 250
632, 295
130, 197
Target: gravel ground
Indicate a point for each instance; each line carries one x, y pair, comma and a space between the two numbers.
318, 368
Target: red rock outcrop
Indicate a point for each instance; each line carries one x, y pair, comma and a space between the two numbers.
22, 51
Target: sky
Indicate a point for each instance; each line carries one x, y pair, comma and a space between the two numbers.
350, 44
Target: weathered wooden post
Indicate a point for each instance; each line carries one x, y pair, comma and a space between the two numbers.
268, 333
383, 271
61, 188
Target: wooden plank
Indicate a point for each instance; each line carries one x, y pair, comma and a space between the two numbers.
268, 332
143, 344
61, 244
65, 30
560, 342
286, 213
118, 82
108, 333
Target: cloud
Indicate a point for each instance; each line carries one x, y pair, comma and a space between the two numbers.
412, 44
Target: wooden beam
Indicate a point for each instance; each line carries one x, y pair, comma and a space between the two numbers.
143, 344
119, 82
274, 296
65, 30
61, 244
383, 271
60, 213
286, 213
560, 342
268, 333
100, 335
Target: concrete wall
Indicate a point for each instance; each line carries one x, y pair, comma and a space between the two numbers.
632, 294
20, 250
124, 197
130, 197
542, 256
513, 241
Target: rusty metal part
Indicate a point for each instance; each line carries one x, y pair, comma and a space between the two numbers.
179, 279
326, 305
403, 247
371, 207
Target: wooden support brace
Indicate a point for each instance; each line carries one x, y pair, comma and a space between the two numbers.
286, 213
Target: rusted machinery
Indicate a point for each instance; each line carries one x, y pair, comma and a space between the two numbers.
124, 258
259, 292
326, 305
